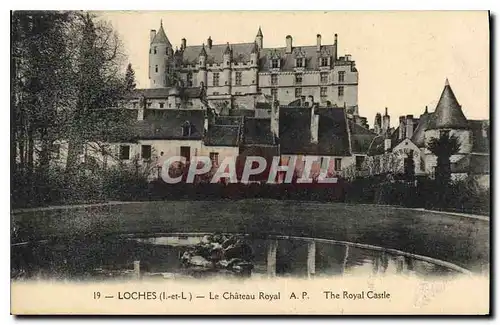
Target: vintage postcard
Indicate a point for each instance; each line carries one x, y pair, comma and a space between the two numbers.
250, 162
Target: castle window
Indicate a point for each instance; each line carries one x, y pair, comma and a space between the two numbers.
134, 104
124, 152
156, 68
359, 162
299, 62
216, 78
274, 92
298, 78
154, 50
214, 157
324, 77
215, 93
162, 104
324, 62
238, 78
298, 92
275, 63
324, 163
341, 91
274, 79
341, 76
149, 104
338, 164
189, 79
146, 152
323, 91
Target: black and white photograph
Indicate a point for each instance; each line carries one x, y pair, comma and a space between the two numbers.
250, 162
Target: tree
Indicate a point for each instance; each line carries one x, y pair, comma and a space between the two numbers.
99, 85
443, 148
130, 78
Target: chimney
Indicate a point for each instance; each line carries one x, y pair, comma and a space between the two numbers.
314, 125
387, 144
310, 99
183, 44
209, 42
318, 43
288, 44
275, 115
386, 121
140, 113
409, 126
336, 47
152, 34
402, 128
377, 125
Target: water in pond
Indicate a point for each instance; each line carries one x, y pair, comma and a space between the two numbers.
165, 257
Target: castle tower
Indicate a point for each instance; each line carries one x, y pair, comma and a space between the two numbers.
254, 68
259, 39
448, 117
160, 54
202, 67
226, 64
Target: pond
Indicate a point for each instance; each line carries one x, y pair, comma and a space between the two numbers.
180, 256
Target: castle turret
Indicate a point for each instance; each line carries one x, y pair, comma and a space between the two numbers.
202, 67
450, 118
254, 68
226, 64
259, 39
160, 54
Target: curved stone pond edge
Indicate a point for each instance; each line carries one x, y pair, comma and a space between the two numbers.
462, 240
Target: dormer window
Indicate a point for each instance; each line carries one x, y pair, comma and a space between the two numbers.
190, 79
324, 62
275, 63
341, 76
154, 50
299, 63
187, 129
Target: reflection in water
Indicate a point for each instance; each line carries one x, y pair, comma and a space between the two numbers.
120, 257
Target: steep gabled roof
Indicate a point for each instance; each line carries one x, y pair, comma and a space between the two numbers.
361, 138
418, 137
168, 124
448, 113
258, 131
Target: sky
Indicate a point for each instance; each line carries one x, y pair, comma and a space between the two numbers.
403, 58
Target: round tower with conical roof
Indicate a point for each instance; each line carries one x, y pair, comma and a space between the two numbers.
160, 57
259, 39
448, 117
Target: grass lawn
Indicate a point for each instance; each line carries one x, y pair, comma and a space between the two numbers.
460, 240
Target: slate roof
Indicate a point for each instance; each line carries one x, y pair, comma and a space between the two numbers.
288, 60
418, 137
361, 138
192, 92
295, 132
223, 135
167, 124
215, 54
241, 54
448, 113
161, 37
258, 131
